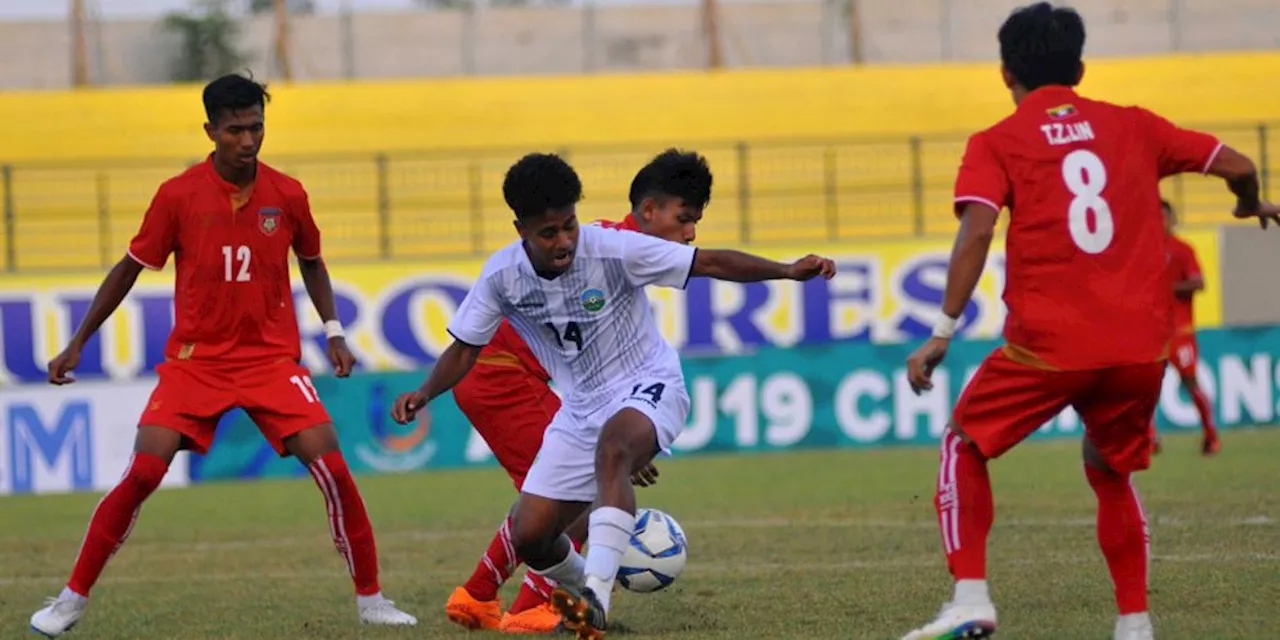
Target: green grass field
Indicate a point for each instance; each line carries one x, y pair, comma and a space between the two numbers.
783, 546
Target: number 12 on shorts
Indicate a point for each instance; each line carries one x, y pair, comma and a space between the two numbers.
303, 383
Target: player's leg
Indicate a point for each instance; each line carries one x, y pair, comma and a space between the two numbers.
1117, 444
1185, 356
510, 409
183, 407
283, 402
646, 422
1005, 403
558, 490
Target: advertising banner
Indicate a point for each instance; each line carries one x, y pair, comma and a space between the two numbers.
395, 314
73, 438
847, 394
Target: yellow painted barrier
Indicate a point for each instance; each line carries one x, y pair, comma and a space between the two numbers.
827, 156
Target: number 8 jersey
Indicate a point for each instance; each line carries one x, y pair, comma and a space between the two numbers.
590, 327
1086, 284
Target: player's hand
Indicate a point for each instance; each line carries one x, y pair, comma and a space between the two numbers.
408, 405
921, 363
646, 477
1265, 212
810, 267
60, 368
340, 357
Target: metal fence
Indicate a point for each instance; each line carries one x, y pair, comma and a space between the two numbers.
448, 205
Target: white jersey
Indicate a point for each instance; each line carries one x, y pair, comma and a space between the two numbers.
591, 327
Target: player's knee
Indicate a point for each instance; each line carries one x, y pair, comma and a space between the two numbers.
1092, 457
145, 473
615, 454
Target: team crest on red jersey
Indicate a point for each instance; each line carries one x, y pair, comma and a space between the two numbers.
1061, 112
268, 220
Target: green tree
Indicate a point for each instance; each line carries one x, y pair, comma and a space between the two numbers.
209, 35
257, 7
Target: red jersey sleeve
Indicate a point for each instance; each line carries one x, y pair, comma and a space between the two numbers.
982, 177
306, 235
158, 235
1190, 265
1180, 150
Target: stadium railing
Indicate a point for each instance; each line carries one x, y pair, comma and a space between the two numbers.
448, 204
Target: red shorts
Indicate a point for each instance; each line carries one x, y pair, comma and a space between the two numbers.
191, 396
510, 408
1008, 401
1184, 354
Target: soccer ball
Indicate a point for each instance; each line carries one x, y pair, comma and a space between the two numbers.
656, 555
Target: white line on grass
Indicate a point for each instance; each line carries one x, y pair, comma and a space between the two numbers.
706, 568
481, 535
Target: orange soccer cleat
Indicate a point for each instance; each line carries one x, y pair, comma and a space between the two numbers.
473, 614
539, 620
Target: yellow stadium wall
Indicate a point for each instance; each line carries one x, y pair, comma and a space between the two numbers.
657, 109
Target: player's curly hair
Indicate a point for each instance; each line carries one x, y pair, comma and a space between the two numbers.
538, 183
674, 174
233, 92
1043, 45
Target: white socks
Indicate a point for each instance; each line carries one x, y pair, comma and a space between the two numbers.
972, 592
364, 602
609, 534
570, 572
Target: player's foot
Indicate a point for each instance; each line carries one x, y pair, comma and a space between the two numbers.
465, 610
539, 620
1210, 444
382, 611
1135, 626
958, 621
580, 612
60, 614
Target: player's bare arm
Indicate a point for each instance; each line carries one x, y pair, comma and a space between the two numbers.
449, 370
110, 294
315, 275
968, 257
736, 266
1242, 178
1185, 289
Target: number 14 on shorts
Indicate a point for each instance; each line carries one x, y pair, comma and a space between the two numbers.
649, 393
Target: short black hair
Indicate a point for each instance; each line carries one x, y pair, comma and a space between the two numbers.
674, 174
538, 183
1043, 45
233, 92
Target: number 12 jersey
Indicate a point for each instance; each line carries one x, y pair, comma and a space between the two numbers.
1087, 284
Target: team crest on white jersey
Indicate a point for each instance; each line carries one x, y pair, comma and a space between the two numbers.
593, 300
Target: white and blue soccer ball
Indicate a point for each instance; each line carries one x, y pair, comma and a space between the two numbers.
656, 555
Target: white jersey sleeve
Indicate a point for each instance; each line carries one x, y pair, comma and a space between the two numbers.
479, 314
650, 260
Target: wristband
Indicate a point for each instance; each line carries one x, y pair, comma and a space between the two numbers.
333, 329
945, 327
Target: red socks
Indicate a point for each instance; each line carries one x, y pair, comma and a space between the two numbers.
965, 509
1123, 536
113, 519
495, 567
348, 522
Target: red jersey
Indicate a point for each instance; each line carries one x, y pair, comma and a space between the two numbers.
1182, 266
1087, 283
508, 349
232, 297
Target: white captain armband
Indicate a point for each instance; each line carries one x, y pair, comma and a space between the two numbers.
333, 329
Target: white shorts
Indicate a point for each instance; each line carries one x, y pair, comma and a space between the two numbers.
565, 468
